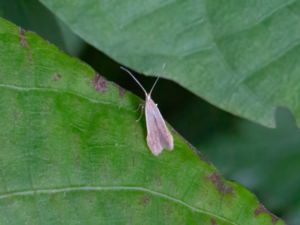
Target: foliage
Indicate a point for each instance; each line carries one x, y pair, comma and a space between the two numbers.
239, 55
72, 152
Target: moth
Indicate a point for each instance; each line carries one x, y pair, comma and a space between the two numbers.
158, 135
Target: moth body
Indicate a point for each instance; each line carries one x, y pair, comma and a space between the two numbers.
158, 135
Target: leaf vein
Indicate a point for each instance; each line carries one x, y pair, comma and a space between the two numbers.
114, 188
49, 89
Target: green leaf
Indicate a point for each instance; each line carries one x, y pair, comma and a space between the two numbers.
32, 15
242, 56
72, 153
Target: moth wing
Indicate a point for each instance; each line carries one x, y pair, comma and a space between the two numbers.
158, 135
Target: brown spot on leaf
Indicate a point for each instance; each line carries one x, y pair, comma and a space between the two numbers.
262, 209
217, 180
23, 39
169, 210
100, 83
213, 221
145, 200
121, 91
158, 181
24, 44
57, 77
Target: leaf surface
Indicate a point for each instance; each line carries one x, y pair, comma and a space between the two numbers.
33, 15
242, 56
72, 153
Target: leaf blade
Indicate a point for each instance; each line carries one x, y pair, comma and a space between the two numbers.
68, 146
247, 66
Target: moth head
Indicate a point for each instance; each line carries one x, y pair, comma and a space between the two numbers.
148, 96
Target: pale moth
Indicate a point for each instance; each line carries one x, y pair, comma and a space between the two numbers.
158, 134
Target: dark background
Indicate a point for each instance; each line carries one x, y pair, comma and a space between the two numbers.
266, 161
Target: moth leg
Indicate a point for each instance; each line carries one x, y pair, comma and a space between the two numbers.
141, 106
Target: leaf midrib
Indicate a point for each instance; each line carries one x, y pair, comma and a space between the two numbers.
61, 91
97, 188
114, 188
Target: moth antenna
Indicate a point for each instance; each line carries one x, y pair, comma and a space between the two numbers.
153, 85
135, 79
